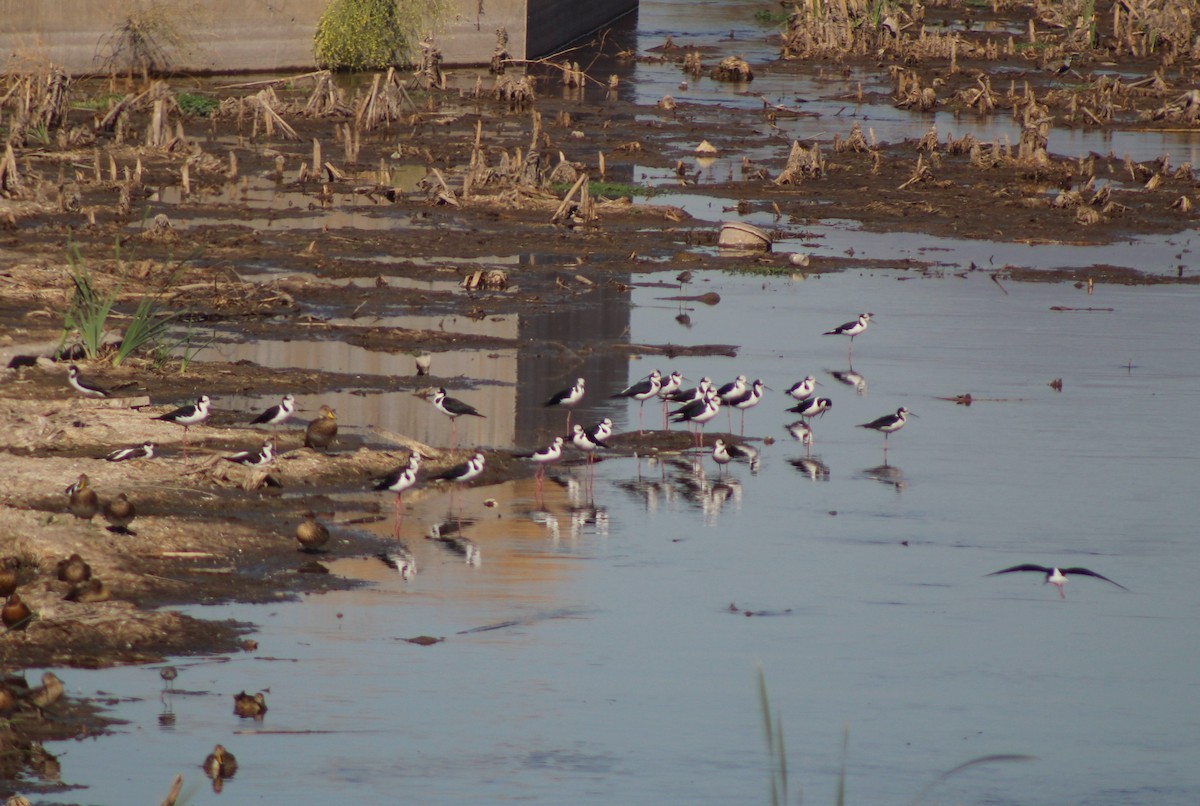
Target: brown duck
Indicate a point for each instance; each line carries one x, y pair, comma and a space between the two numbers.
119, 512
83, 501
311, 533
15, 614
9, 579
322, 431
48, 693
89, 592
220, 764
74, 569
249, 705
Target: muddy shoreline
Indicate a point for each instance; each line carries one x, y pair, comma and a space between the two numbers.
176, 206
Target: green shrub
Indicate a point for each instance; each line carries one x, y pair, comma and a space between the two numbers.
196, 106
374, 34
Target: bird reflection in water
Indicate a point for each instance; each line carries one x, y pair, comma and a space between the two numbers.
850, 378
399, 558
887, 474
801, 432
812, 467
448, 535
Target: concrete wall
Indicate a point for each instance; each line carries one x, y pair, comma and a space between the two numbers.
257, 35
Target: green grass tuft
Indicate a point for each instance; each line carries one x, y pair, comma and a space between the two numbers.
196, 106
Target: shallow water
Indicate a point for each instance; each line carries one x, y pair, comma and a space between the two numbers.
621, 673
624, 676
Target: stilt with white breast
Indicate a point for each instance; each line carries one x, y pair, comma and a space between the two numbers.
803, 390
669, 386
642, 391
85, 387
461, 474
888, 424
453, 408
567, 399
543, 457
143, 451
697, 413
187, 416
748, 400
851, 329
398, 481
1057, 576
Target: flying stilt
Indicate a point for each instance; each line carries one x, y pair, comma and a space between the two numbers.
1057, 576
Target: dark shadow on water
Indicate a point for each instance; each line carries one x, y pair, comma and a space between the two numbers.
886, 474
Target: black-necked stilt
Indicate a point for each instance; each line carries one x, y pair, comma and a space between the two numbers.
398, 481
812, 407
642, 391
543, 457
461, 474
263, 456
723, 454
602, 429
187, 416
85, 387
278, 414
311, 534
143, 451
851, 329
322, 431
747, 400
567, 399
733, 389
803, 390
698, 412
119, 512
887, 424
1057, 576
669, 386
683, 278
587, 439
730, 392
82, 500
401, 560
697, 392
453, 408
